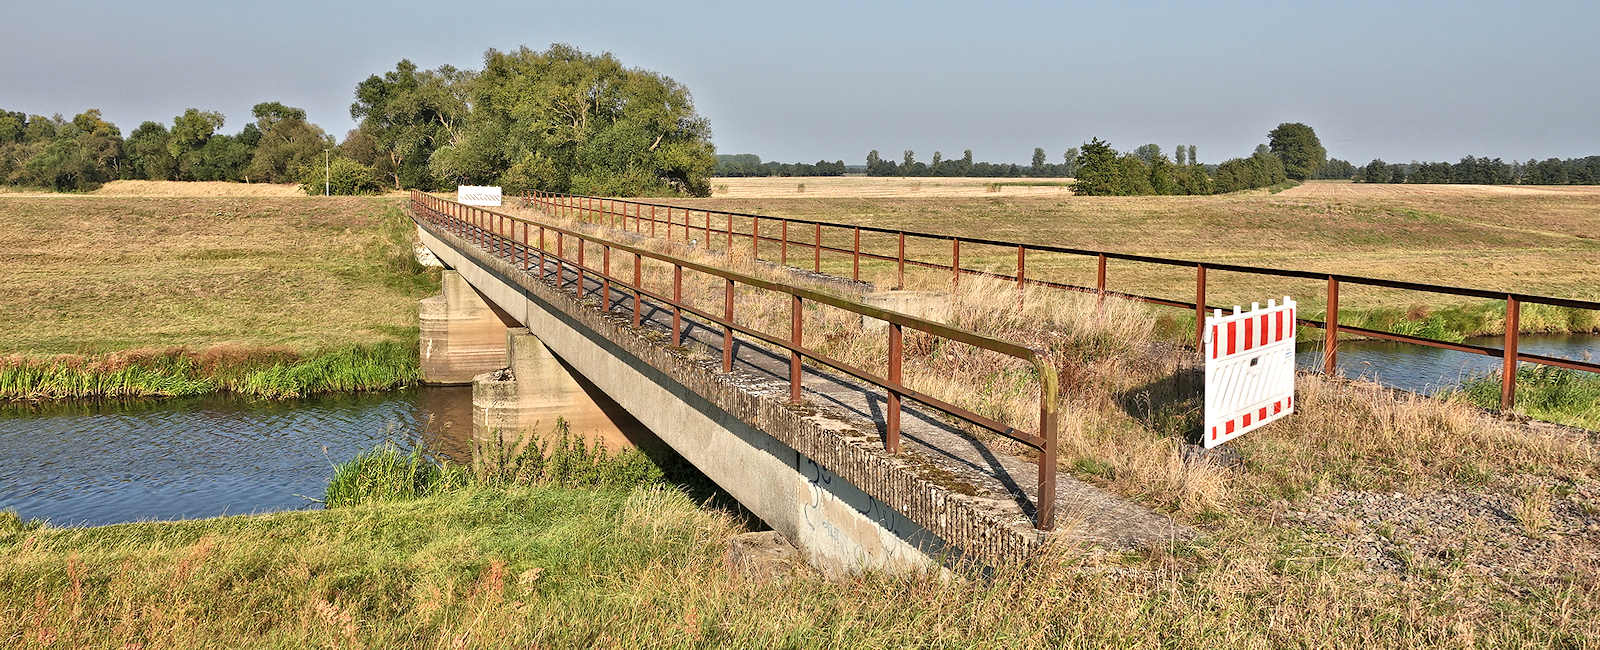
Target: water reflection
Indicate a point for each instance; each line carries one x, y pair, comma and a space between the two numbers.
128, 461
1429, 371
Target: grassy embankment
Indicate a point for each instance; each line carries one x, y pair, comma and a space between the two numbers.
140, 296
1527, 239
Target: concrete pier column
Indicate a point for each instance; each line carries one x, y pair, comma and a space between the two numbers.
462, 335
535, 388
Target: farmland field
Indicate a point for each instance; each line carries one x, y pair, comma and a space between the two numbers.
1542, 240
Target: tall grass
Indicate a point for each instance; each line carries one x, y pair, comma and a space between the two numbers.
257, 372
1544, 392
386, 473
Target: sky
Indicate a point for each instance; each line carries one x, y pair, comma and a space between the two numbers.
831, 80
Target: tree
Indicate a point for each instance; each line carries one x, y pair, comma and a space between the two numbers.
1376, 171
285, 142
340, 175
1192, 159
565, 120
411, 114
1069, 166
190, 132
1180, 153
1147, 153
1098, 171
1038, 159
1298, 147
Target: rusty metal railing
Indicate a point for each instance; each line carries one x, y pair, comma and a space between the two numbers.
618, 211
498, 234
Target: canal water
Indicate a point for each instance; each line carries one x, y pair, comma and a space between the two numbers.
1431, 370
90, 464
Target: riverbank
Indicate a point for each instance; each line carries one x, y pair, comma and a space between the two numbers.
639, 564
172, 296
270, 373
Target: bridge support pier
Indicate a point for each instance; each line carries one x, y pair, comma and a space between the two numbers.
535, 388
461, 335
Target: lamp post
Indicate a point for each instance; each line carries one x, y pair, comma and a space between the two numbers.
327, 173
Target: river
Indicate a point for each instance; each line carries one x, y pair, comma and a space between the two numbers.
102, 463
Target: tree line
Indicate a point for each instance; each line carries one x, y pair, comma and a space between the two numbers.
909, 166
558, 120
87, 151
1292, 152
749, 164
1485, 171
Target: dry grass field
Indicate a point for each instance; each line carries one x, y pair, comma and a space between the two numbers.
883, 187
94, 274
1543, 240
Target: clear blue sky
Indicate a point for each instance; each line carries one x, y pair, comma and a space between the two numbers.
822, 79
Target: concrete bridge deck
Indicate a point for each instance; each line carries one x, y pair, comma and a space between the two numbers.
945, 492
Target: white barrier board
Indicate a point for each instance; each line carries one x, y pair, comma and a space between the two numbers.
1249, 369
480, 195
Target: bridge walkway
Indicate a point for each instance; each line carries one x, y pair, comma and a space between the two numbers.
990, 468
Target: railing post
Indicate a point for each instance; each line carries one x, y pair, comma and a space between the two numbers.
795, 339
581, 288
955, 261
1200, 308
891, 438
727, 329
900, 277
638, 288
1022, 269
1100, 282
1330, 346
652, 221
677, 299
605, 278
526, 263
855, 256
783, 255
729, 248
1508, 374
708, 231
669, 223
755, 239
816, 258
1045, 514
561, 257
541, 253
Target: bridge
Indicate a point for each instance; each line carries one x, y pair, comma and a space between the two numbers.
855, 467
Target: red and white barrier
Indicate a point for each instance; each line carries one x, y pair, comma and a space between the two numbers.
1249, 369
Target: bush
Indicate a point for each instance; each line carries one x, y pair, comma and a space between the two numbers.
341, 175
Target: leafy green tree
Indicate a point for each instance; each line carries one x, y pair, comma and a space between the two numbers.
1099, 173
148, 156
1147, 153
340, 175
1069, 164
1038, 160
190, 132
1180, 153
284, 143
412, 113
566, 120
1192, 159
1298, 147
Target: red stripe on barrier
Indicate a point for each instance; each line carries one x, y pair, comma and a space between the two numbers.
1277, 407
1261, 330
1230, 426
1213, 433
1215, 344
1278, 329
1247, 419
1249, 339
1231, 330
1263, 414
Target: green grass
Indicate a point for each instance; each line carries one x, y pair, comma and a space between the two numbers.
271, 374
1545, 393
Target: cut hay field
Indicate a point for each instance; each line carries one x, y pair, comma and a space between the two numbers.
1542, 240
97, 274
883, 187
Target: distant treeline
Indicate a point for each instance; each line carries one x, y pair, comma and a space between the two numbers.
749, 164
559, 120
1292, 152
81, 154
965, 166
1486, 171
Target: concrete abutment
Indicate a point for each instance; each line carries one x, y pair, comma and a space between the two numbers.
460, 334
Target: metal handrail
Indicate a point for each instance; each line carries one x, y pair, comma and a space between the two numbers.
496, 233
589, 205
